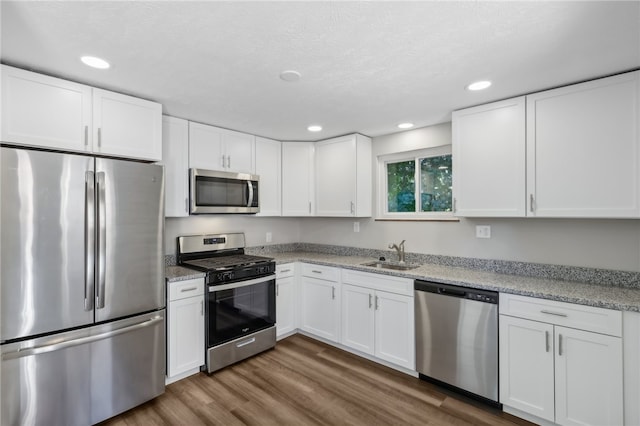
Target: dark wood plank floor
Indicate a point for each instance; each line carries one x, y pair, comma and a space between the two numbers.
306, 382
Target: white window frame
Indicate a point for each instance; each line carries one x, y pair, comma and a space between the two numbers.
383, 160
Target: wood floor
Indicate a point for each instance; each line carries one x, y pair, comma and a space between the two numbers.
305, 382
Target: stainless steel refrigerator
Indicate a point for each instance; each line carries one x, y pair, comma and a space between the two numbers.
82, 294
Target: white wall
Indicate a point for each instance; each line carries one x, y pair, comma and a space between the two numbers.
284, 230
610, 244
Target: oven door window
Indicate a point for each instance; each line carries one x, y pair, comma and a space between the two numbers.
240, 311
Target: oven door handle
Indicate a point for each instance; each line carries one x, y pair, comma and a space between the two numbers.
244, 283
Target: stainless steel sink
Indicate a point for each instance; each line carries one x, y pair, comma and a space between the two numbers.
391, 265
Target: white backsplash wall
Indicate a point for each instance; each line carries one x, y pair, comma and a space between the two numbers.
283, 229
595, 243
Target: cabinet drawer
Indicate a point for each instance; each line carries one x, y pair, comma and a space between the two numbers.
378, 282
589, 318
188, 288
286, 270
321, 272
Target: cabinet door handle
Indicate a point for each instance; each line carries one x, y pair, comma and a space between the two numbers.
202, 308
353, 207
455, 202
309, 207
223, 161
186, 205
546, 340
333, 293
377, 303
370, 301
531, 203
99, 137
560, 344
558, 314
277, 290
184, 290
86, 135
228, 161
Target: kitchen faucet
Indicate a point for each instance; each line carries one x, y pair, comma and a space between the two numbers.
400, 249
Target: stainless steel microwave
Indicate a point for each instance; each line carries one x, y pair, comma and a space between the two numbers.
222, 192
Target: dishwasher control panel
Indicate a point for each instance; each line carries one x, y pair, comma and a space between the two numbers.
484, 296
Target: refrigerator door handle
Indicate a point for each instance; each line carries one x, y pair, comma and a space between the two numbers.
20, 353
102, 240
89, 239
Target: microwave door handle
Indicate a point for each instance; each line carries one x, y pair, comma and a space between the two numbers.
250, 187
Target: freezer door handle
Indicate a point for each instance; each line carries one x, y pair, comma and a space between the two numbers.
89, 240
20, 353
102, 239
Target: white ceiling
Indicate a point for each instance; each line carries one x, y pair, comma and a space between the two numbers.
366, 66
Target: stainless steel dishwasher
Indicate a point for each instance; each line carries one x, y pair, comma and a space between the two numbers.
457, 338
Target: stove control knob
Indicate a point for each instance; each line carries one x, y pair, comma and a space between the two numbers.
219, 277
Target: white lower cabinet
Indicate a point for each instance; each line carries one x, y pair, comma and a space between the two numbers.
285, 299
378, 316
185, 328
320, 305
552, 370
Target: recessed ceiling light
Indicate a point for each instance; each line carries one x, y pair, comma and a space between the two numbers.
94, 62
479, 85
290, 75
405, 125
314, 128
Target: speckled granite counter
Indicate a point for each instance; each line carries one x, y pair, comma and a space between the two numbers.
621, 298
180, 273
604, 296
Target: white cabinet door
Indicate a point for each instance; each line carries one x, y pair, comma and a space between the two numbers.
186, 335
357, 318
125, 126
269, 168
43, 111
489, 150
321, 308
175, 157
285, 305
239, 149
583, 149
343, 176
297, 178
588, 371
394, 329
526, 366
206, 149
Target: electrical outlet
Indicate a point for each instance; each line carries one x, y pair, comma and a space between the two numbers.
356, 226
269, 237
483, 231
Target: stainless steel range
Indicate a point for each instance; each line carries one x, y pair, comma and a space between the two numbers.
240, 296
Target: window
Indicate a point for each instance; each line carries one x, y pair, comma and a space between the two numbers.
416, 184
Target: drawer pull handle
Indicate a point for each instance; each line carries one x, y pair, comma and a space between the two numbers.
316, 272
246, 342
184, 290
558, 314
285, 270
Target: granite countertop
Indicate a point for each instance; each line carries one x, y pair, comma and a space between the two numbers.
604, 296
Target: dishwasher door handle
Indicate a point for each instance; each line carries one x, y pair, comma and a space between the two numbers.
450, 292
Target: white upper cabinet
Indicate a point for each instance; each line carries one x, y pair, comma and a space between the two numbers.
213, 148
343, 176
269, 168
48, 112
297, 178
43, 111
489, 159
125, 126
576, 154
175, 154
583, 149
